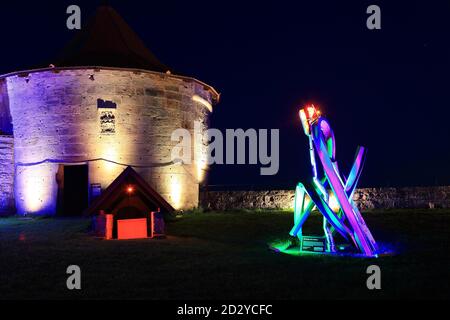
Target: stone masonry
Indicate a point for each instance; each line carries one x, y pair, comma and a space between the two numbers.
6, 174
369, 198
122, 115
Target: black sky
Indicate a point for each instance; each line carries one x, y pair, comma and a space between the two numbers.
386, 89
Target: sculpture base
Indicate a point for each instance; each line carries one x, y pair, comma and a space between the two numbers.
316, 245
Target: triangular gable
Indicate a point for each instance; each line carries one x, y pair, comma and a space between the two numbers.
116, 188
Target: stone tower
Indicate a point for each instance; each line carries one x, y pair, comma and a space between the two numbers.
108, 103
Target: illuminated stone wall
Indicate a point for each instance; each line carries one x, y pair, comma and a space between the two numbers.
366, 198
120, 115
6, 174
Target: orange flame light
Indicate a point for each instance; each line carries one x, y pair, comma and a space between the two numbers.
130, 189
308, 115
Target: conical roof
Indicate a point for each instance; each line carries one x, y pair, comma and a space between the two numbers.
108, 41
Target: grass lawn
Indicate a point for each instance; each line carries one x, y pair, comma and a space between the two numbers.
221, 256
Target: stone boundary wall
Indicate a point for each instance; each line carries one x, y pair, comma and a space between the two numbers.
366, 199
6, 174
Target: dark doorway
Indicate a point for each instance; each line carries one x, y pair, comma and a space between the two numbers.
75, 199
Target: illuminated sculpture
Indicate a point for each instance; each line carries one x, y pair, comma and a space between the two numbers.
332, 194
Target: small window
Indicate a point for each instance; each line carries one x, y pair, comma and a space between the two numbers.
105, 104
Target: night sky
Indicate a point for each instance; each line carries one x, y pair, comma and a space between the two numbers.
386, 89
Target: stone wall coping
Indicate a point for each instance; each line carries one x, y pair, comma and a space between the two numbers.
215, 94
365, 198
205, 189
